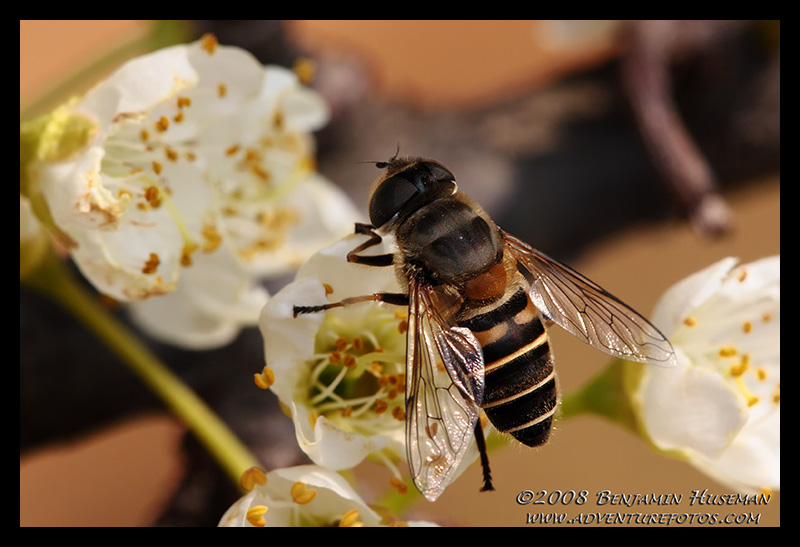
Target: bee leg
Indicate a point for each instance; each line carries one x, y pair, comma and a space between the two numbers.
369, 260
397, 299
487, 472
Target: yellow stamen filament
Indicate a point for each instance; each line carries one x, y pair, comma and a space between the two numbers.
350, 519
302, 494
255, 515
252, 477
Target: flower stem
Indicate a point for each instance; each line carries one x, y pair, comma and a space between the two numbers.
53, 279
604, 395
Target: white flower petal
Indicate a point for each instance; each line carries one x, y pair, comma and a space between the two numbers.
720, 406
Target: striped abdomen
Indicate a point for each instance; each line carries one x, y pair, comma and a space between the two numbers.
520, 388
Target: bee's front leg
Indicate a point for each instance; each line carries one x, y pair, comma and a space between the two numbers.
397, 299
375, 239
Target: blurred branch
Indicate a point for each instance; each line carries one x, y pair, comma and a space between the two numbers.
646, 76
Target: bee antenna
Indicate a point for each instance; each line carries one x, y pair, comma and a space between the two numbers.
384, 164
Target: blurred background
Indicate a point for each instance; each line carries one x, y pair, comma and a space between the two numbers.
545, 123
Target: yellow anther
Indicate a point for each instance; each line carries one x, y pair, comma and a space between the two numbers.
265, 378
144, 135
690, 321
151, 265
162, 124
747, 326
209, 43
232, 150
213, 239
335, 358
184, 102
761, 373
358, 343
349, 361
727, 351
152, 196
381, 406
328, 289
399, 414
305, 70
742, 275
399, 485
255, 515
402, 326
157, 167
186, 253
252, 477
752, 400
178, 118
302, 494
222, 90
347, 411
350, 519
340, 343
171, 154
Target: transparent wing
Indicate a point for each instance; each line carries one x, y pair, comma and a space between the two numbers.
444, 385
586, 310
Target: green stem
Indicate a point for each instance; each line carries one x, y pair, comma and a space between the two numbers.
604, 395
53, 279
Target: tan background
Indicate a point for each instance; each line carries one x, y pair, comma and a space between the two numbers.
122, 476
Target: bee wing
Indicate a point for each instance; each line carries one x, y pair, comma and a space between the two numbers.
444, 386
589, 312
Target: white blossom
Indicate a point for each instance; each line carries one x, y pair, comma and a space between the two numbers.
340, 373
306, 495
720, 407
195, 179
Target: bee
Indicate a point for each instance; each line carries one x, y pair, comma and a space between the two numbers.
479, 304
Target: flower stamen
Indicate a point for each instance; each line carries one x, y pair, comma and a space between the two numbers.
255, 515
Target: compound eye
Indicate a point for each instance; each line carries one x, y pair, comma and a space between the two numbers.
389, 198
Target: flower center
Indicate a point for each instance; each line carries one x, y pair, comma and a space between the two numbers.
358, 370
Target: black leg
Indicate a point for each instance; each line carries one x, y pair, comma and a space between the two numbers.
487, 473
369, 260
398, 299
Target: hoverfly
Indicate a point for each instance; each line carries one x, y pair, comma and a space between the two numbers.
478, 300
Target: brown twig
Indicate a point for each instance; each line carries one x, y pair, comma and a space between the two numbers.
646, 75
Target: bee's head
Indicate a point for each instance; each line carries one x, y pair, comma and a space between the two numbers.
408, 184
